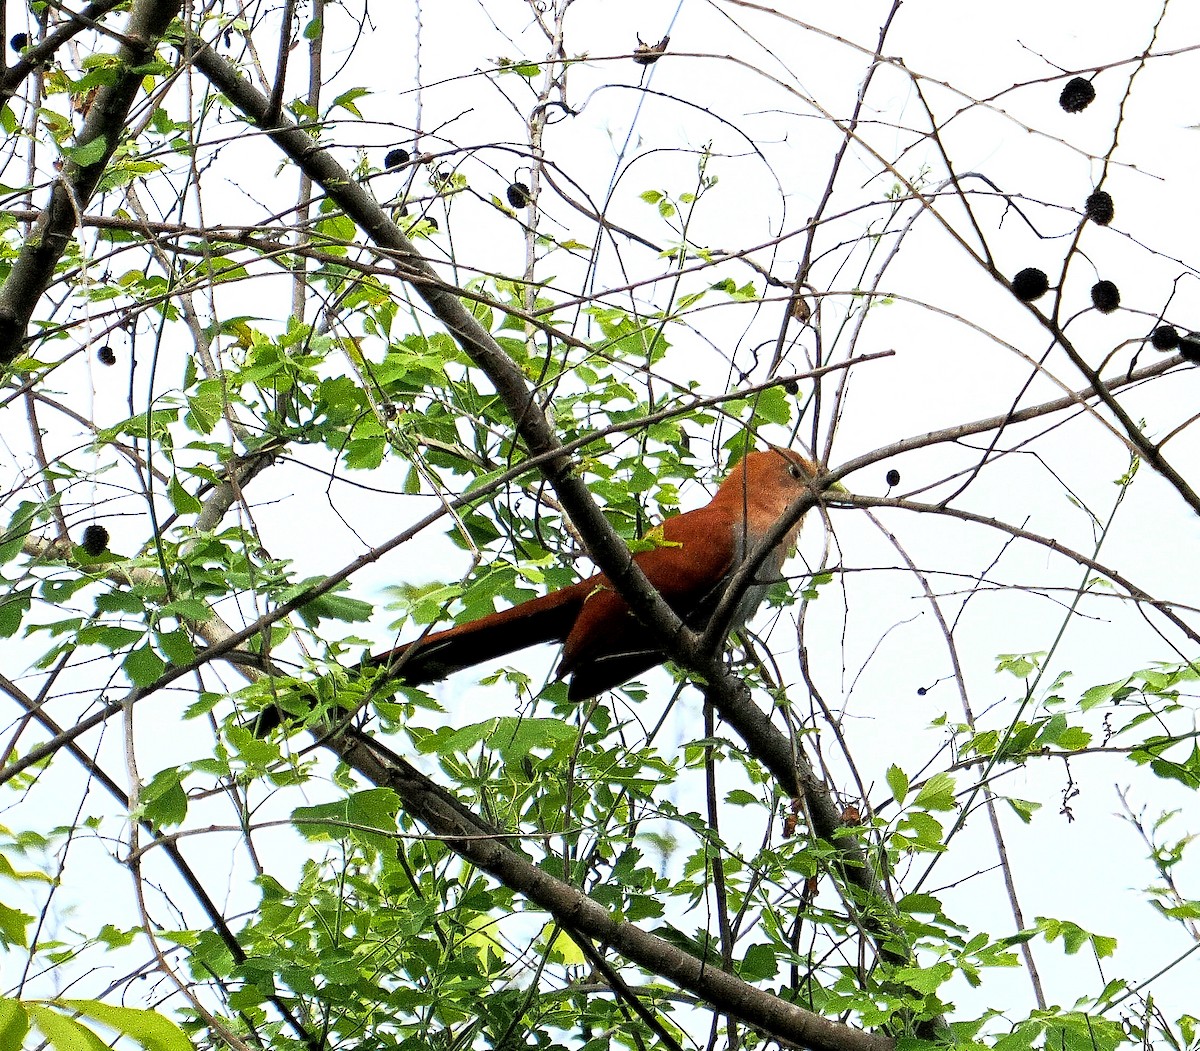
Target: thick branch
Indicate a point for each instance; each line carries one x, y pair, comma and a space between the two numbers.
103, 129
485, 847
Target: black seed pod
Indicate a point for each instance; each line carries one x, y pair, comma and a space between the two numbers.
1077, 95
106, 356
395, 158
95, 540
792, 387
518, 195
19, 41
893, 477
1165, 337
1105, 297
1030, 284
1099, 208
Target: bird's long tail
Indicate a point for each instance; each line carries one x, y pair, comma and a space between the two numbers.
442, 653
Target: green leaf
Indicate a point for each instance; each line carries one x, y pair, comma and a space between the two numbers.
1024, 808
740, 797
1098, 695
183, 501
925, 980
354, 816
177, 645
89, 153
563, 947
923, 831
110, 636
759, 963
937, 793
148, 1028
329, 606
346, 100
13, 923
143, 666
1022, 665
115, 938
64, 1033
163, 800
897, 781
523, 68
774, 405
513, 738
365, 454
1075, 937
118, 601
14, 1024
13, 608
18, 531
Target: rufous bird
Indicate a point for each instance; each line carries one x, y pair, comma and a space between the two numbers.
604, 644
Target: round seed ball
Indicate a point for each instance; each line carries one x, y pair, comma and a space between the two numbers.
1030, 284
1105, 297
518, 195
1077, 95
95, 540
1099, 208
1165, 337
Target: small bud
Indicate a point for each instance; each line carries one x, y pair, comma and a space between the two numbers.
1030, 284
647, 54
95, 540
1105, 297
1077, 95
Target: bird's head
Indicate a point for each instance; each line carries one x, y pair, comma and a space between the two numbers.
767, 482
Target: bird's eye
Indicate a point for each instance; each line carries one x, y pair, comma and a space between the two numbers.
795, 472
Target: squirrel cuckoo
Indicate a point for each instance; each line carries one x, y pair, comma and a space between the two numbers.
604, 644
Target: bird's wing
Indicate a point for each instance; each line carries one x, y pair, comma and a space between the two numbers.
607, 644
